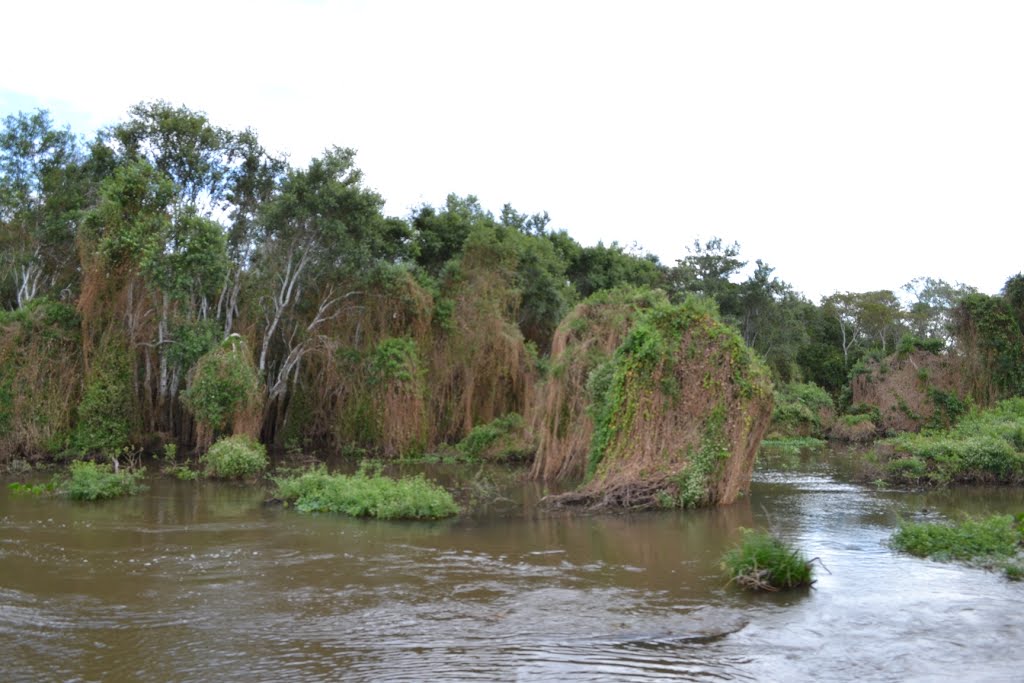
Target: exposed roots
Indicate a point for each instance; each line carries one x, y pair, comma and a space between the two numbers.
630, 496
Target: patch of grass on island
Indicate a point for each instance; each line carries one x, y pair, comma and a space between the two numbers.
993, 542
762, 561
365, 494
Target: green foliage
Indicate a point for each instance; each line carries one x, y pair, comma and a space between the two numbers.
704, 464
910, 343
223, 384
994, 541
949, 408
131, 219
366, 495
192, 340
987, 326
501, 438
762, 561
792, 445
653, 342
92, 481
395, 359
799, 407
985, 446
861, 412
592, 269
235, 457
19, 489
106, 409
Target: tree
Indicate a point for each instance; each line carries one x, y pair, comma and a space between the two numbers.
40, 197
321, 227
930, 312
706, 271
184, 146
592, 269
770, 320
440, 235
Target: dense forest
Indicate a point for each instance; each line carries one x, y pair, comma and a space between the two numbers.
171, 282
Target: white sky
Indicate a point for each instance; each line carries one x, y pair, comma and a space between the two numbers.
852, 146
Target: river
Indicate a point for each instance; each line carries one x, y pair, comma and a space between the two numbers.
198, 581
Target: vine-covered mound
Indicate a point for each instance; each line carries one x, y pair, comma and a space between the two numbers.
584, 340
679, 412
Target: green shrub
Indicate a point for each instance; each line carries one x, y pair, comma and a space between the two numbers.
910, 343
501, 438
223, 383
91, 481
234, 457
799, 408
906, 470
366, 495
762, 561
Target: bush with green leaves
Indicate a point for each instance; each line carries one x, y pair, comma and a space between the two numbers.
501, 438
365, 494
235, 457
88, 480
801, 410
223, 383
762, 561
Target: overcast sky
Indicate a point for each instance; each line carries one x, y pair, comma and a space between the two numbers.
853, 146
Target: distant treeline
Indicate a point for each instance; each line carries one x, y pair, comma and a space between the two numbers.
172, 281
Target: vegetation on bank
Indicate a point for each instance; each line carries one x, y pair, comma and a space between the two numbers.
365, 494
88, 481
993, 542
171, 281
802, 410
762, 561
503, 438
985, 447
235, 457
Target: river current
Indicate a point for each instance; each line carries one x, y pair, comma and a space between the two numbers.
199, 581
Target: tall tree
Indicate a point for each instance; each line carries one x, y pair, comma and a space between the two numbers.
40, 200
321, 227
930, 312
707, 270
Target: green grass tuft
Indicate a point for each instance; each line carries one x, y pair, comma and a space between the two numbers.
762, 561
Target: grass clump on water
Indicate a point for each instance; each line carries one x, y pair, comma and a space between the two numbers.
92, 481
991, 542
365, 494
762, 561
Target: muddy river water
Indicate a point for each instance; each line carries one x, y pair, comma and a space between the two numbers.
198, 581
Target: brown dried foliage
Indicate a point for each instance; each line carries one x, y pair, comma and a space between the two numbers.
586, 338
900, 392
